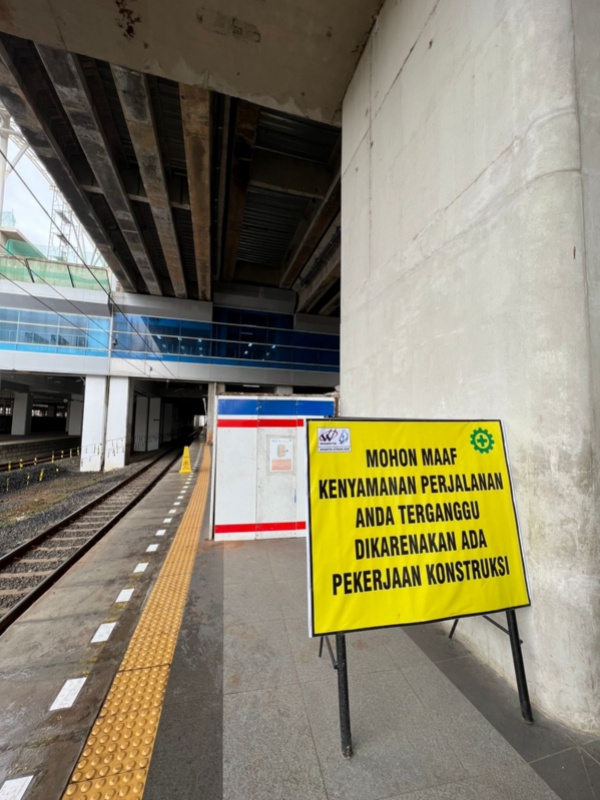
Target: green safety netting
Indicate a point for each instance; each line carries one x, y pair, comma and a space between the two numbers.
89, 278
38, 270
14, 270
21, 249
50, 272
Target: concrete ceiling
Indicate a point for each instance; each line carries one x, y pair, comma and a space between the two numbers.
291, 55
185, 191
196, 141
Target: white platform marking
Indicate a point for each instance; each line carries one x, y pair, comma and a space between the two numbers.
141, 567
172, 511
152, 548
177, 503
161, 532
103, 633
15, 788
180, 496
166, 520
124, 596
68, 694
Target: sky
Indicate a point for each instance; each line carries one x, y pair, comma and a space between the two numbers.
30, 219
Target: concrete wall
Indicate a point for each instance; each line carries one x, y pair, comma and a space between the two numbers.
466, 288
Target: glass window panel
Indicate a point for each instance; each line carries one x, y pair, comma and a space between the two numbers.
38, 317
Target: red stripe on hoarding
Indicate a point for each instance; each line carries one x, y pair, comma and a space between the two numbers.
260, 423
257, 527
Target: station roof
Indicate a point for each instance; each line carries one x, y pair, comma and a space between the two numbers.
198, 144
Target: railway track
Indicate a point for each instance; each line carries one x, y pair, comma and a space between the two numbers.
30, 569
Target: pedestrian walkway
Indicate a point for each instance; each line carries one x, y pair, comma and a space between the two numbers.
205, 685
251, 711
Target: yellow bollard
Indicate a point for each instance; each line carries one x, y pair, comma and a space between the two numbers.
20, 463
41, 475
52, 462
186, 465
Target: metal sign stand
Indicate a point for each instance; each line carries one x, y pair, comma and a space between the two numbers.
515, 645
341, 665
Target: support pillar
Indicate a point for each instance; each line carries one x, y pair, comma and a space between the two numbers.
154, 424
285, 390
75, 417
118, 423
93, 431
213, 390
21, 416
140, 430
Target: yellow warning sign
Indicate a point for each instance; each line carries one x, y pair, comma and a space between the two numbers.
410, 521
186, 464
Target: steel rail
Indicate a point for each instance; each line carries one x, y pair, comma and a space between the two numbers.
37, 591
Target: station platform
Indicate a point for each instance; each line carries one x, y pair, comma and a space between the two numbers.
40, 445
168, 666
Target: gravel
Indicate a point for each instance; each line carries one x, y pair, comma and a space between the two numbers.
30, 506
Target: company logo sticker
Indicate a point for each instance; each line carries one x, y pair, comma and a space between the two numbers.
334, 440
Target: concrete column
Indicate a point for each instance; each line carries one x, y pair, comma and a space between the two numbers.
154, 423
93, 431
118, 423
475, 292
75, 417
167, 422
140, 428
286, 390
213, 390
21, 416
51, 411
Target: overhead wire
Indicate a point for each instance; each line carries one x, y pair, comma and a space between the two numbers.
62, 316
82, 259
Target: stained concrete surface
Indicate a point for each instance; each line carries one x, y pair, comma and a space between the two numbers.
251, 710
50, 643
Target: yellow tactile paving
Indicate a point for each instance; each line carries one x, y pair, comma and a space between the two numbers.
114, 762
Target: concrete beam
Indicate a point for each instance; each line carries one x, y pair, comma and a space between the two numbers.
328, 246
293, 56
310, 294
195, 116
222, 189
244, 138
137, 198
20, 102
137, 109
66, 75
289, 175
302, 251
331, 305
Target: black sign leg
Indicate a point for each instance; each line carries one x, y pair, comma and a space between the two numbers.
344, 699
515, 645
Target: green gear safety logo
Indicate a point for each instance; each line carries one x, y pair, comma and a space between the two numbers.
482, 440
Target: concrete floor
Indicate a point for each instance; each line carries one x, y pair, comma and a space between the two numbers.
251, 711
51, 643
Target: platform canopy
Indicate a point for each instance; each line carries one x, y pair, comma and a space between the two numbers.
198, 143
